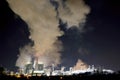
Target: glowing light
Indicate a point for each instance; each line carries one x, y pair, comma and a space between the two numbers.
18, 76
61, 77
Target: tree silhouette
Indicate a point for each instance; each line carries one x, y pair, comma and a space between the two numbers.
1, 70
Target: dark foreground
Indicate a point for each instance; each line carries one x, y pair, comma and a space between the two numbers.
86, 76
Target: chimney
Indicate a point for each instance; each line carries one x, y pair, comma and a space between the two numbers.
35, 65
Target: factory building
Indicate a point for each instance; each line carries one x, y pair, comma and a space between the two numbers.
37, 68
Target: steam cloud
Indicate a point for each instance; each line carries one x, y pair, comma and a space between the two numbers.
73, 12
43, 21
25, 56
80, 65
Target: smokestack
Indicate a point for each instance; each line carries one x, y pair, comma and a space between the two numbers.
53, 67
62, 69
35, 65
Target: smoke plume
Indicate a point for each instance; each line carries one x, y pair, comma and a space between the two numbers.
73, 12
41, 18
24, 58
80, 65
43, 21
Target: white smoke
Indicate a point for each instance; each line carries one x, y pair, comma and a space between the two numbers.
80, 65
25, 55
73, 12
41, 18
40, 15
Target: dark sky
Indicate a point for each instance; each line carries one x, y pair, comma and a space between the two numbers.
99, 44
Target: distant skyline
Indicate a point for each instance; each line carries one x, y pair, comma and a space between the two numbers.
97, 44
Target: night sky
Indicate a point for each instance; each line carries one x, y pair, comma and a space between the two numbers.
98, 44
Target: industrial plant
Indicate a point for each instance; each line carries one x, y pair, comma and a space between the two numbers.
36, 68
